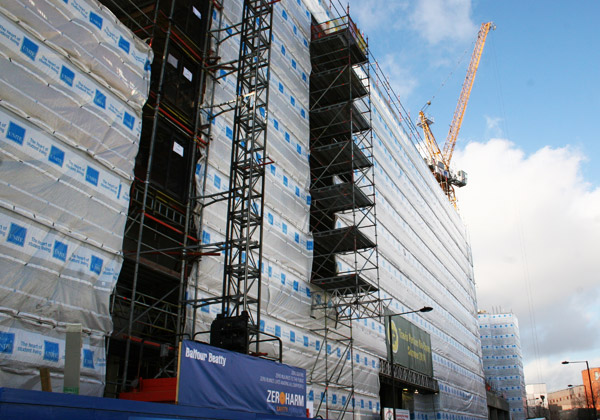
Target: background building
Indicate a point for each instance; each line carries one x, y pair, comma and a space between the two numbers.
569, 398
592, 389
537, 400
502, 359
247, 183
569, 404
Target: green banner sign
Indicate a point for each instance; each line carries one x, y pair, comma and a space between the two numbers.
410, 346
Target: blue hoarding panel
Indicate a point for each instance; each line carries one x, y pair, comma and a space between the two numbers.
217, 378
19, 404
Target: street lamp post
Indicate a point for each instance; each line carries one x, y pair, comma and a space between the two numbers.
587, 365
391, 350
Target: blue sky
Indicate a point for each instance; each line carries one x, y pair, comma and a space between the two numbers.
538, 78
529, 142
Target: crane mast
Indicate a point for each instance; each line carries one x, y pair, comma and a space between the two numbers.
439, 162
461, 106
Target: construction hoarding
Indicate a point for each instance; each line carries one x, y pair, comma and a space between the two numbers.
238, 381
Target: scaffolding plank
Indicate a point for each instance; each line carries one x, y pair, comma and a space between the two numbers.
340, 85
339, 197
346, 239
338, 120
336, 49
344, 284
339, 158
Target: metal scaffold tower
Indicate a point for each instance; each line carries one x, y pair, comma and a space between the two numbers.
160, 246
244, 232
343, 216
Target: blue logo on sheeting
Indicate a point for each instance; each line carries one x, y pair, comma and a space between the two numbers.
91, 176
305, 341
16, 234
292, 336
7, 342
50, 351
56, 156
29, 48
60, 251
88, 359
217, 182
15, 133
309, 245
205, 237
128, 120
96, 20
100, 99
124, 44
67, 75
277, 331
229, 133
96, 264
270, 218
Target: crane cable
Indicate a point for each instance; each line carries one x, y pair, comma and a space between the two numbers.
456, 66
520, 229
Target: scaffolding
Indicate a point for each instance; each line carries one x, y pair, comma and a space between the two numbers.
244, 232
160, 239
343, 216
161, 243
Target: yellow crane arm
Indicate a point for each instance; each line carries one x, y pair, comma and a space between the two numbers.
432, 146
459, 113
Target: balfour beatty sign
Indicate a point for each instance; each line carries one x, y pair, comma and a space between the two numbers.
217, 378
411, 346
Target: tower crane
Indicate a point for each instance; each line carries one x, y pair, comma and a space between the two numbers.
438, 161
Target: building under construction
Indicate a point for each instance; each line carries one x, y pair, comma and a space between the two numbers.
235, 172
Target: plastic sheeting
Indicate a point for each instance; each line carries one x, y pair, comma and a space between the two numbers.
424, 256
503, 360
73, 83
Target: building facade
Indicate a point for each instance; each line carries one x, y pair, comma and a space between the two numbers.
502, 359
568, 399
168, 276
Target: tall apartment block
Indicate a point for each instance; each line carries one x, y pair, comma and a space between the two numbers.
502, 359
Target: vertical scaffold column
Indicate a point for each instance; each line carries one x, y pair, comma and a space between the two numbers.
160, 241
244, 232
343, 217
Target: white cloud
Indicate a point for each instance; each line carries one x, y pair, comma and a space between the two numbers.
535, 234
374, 15
442, 20
398, 75
492, 126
